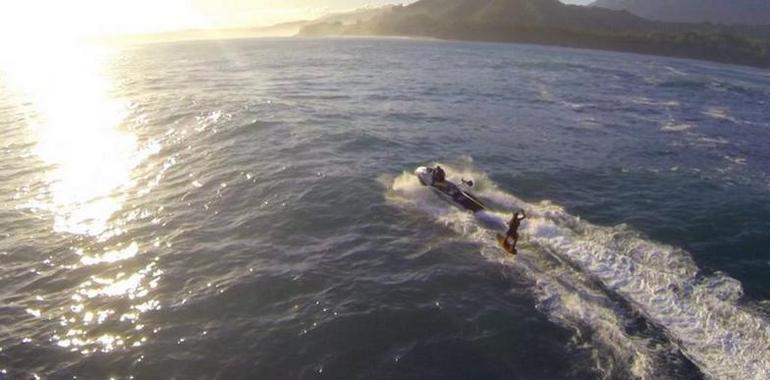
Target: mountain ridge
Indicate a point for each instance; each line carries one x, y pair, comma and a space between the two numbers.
553, 23
728, 12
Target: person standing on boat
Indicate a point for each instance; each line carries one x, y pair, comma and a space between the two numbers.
439, 175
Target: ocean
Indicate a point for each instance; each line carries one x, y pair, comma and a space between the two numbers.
246, 209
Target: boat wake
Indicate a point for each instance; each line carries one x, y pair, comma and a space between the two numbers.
647, 302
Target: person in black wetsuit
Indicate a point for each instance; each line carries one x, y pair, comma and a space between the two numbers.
438, 174
513, 228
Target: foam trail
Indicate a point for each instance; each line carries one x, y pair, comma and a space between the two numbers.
700, 315
558, 288
491, 221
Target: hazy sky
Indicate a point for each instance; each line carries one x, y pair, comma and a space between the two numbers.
100, 17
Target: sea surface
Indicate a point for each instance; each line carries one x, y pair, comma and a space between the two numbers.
245, 209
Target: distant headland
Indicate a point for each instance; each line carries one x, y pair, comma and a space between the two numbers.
552, 23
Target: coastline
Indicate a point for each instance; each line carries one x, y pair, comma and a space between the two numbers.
635, 44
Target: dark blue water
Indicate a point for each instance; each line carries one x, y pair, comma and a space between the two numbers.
245, 209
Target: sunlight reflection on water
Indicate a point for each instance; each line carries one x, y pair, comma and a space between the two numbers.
89, 162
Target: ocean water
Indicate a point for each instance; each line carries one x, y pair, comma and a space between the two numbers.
246, 210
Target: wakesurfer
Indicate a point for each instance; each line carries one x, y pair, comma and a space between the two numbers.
513, 229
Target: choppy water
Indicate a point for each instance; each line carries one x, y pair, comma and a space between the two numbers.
244, 209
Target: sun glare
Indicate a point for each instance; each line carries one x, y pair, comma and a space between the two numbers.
77, 122
30, 23
25, 23
76, 125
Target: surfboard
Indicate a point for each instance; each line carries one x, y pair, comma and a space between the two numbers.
505, 245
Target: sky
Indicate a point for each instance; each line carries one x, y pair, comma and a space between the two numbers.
83, 18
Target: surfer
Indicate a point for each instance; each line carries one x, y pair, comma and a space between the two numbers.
513, 229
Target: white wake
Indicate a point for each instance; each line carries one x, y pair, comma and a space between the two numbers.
701, 315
